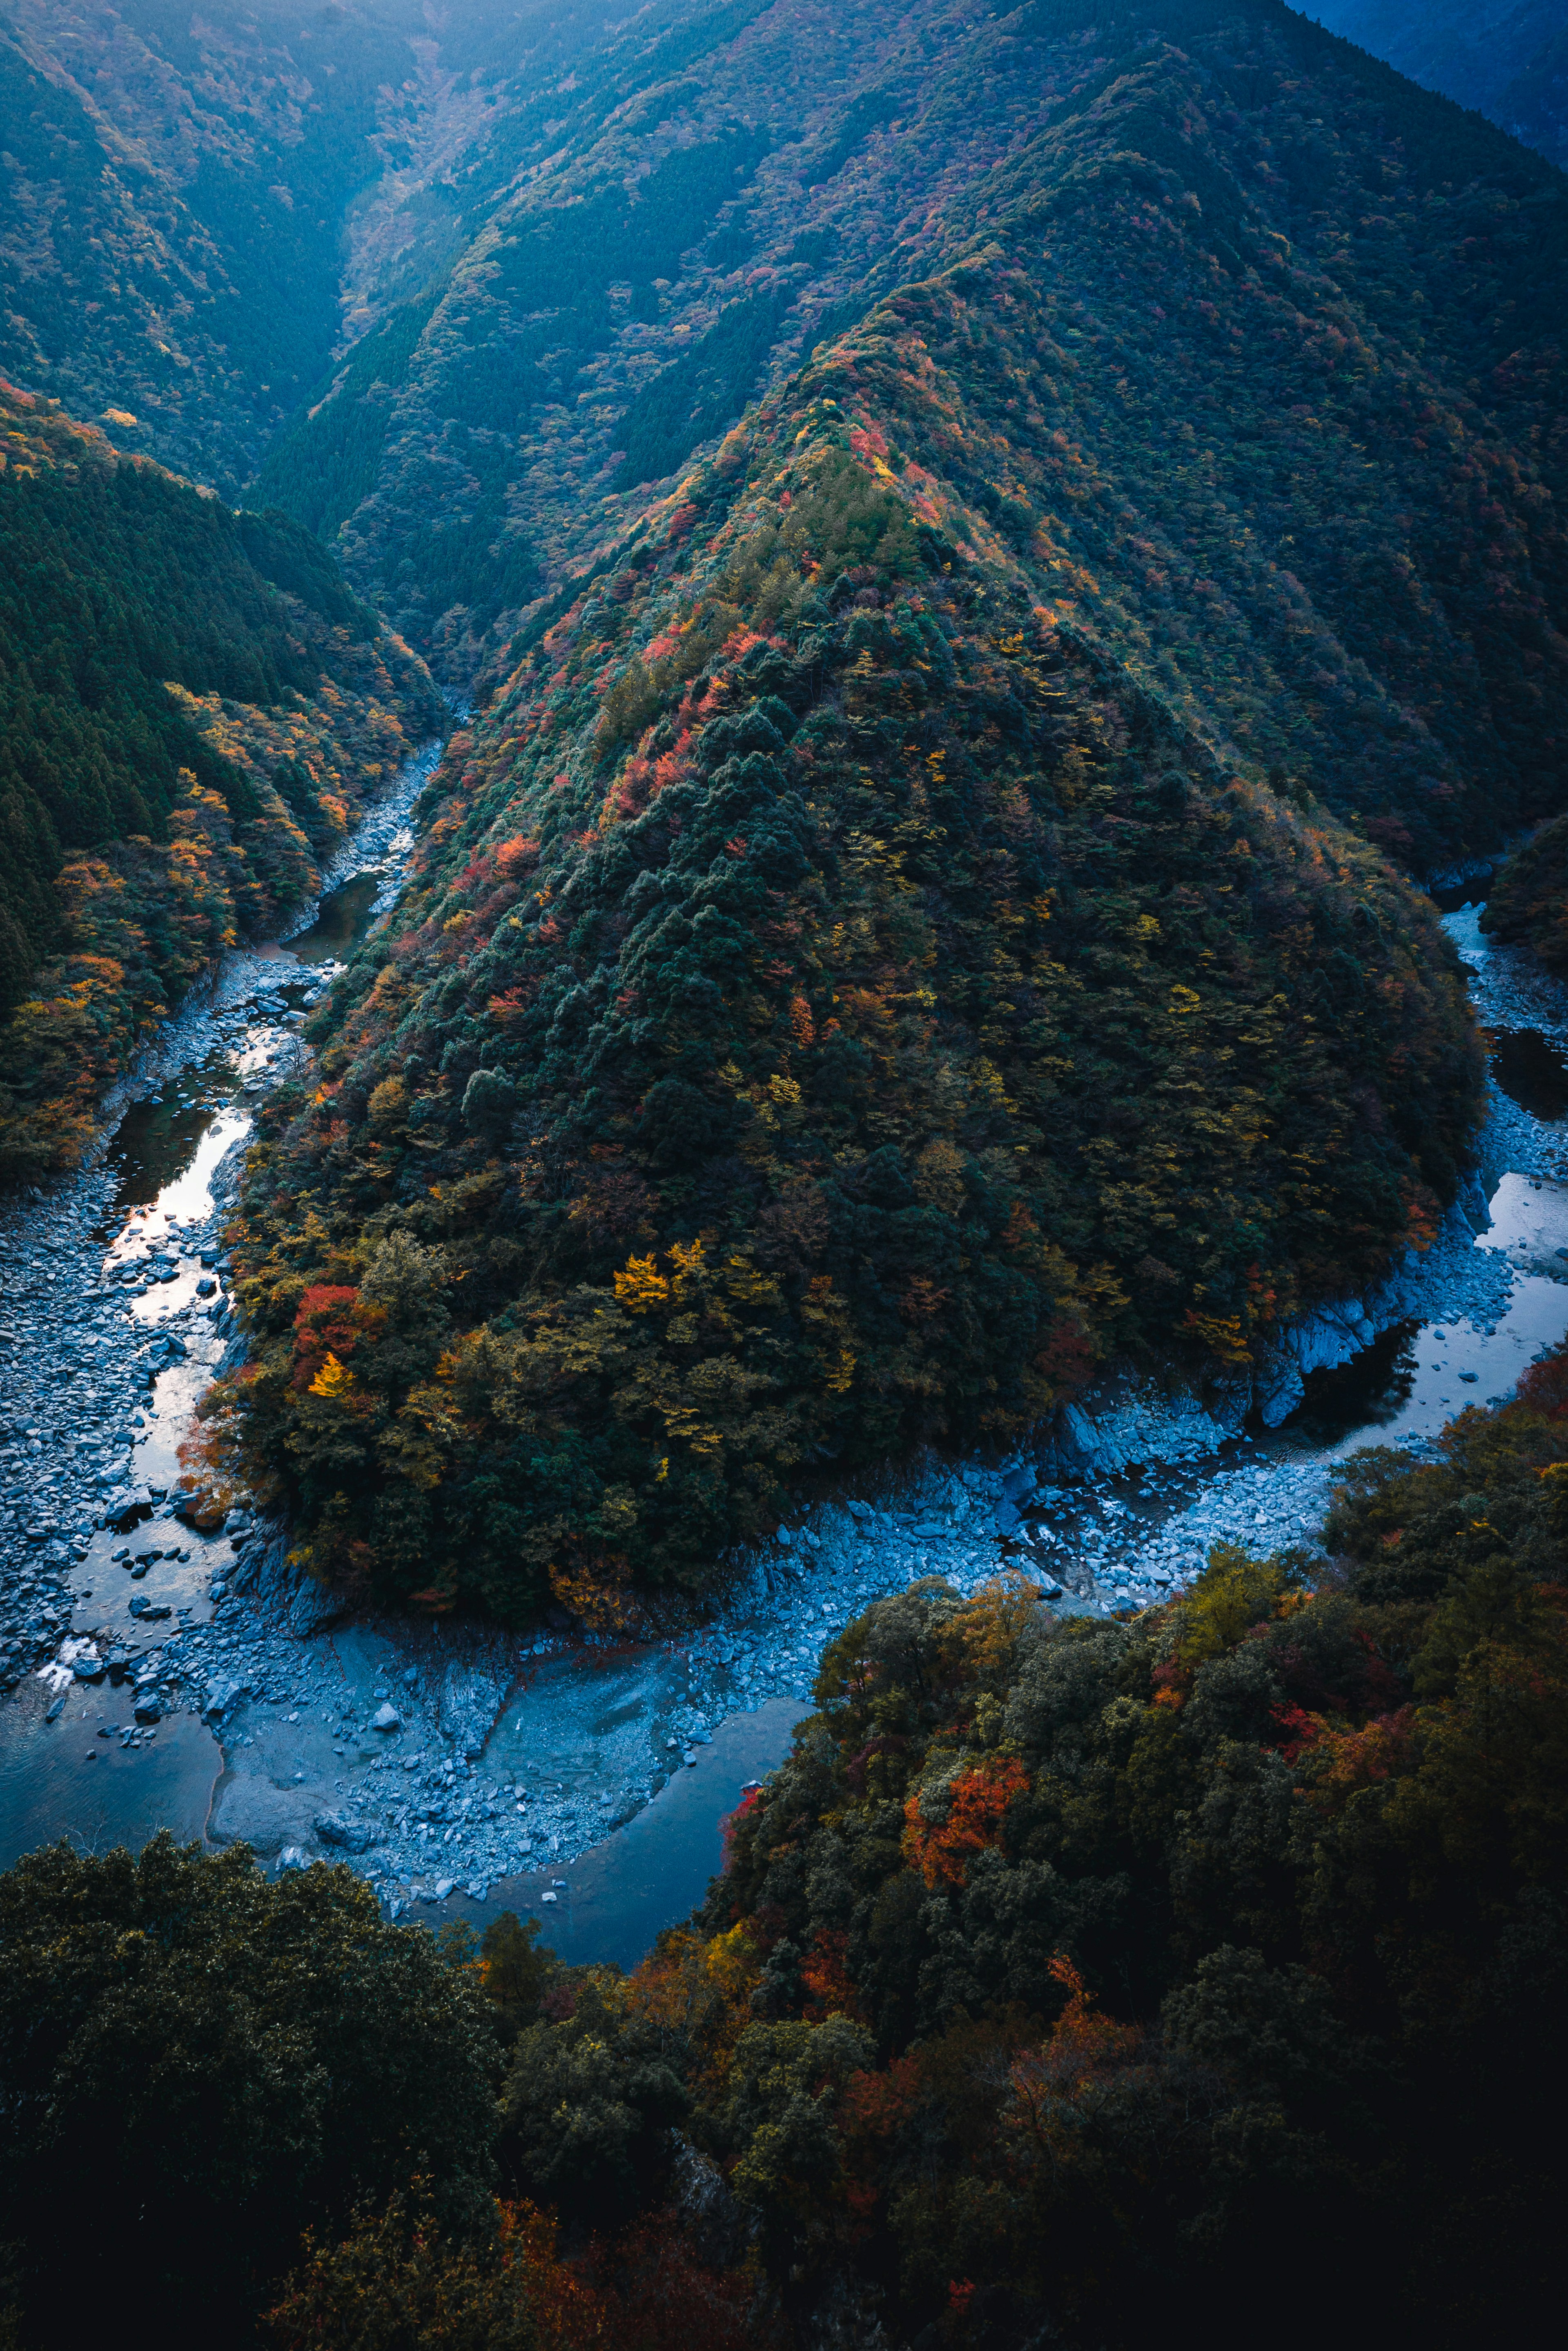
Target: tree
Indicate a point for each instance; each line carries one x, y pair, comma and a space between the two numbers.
239, 2060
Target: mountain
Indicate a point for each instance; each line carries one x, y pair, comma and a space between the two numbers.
460, 295
192, 708
175, 183
836, 1006
1309, 438
909, 921
1507, 57
197, 206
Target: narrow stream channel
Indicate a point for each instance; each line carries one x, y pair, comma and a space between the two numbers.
464, 1770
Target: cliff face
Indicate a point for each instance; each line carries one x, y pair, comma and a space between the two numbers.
192, 707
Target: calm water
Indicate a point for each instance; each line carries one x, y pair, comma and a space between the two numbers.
652, 1871
1528, 1069
341, 922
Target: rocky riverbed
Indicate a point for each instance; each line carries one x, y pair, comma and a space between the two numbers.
155, 1672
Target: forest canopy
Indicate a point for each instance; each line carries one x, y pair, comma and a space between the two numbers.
833, 1008
191, 708
1065, 1969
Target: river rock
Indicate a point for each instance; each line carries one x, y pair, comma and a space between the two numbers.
200, 1511
291, 1600
1278, 1389
253, 1811
347, 1836
473, 1692
149, 1708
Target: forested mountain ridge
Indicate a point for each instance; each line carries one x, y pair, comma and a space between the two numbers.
1509, 58
193, 707
506, 274
623, 1209
173, 182
835, 1006
618, 310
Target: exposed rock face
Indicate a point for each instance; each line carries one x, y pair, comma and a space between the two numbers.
254, 1811
471, 1696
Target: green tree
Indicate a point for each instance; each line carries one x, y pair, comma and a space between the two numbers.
237, 2060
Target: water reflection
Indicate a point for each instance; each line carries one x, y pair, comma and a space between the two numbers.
1366, 1394
1453, 898
1413, 1380
611, 1904
160, 1141
1528, 1069
341, 922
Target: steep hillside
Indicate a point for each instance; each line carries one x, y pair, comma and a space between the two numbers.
1307, 381
192, 705
837, 1006
173, 182
1527, 901
1159, 1942
199, 203
503, 276
1509, 58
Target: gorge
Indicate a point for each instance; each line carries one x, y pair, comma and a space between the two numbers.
784, 1126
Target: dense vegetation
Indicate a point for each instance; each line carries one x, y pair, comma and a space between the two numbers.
916, 915
1304, 403
237, 2061
192, 708
1509, 58
834, 1009
1527, 901
175, 181
1065, 1971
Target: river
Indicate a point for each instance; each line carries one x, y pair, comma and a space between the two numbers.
158, 1676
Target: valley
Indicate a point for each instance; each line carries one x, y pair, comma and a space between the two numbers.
783, 1170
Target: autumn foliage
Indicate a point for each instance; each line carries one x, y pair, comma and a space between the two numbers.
899, 1018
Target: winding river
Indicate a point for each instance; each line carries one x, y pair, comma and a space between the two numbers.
157, 1676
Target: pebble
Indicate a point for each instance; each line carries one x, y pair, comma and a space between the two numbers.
75, 1368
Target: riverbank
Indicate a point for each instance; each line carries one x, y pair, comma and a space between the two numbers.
458, 1766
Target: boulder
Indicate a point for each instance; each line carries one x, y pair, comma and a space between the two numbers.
346, 1835
1278, 1390
251, 1811
386, 1718
473, 1693
202, 1512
